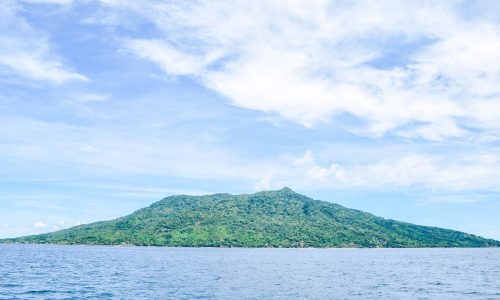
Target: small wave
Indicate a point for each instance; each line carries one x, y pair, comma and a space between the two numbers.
9, 285
39, 292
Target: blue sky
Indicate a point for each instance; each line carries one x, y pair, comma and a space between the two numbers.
392, 107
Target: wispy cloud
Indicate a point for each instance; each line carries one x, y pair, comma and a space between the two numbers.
433, 172
27, 52
59, 2
311, 61
40, 225
170, 59
102, 148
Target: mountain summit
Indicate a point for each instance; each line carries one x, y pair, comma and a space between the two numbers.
279, 218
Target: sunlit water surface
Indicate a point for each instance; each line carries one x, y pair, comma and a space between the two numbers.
85, 272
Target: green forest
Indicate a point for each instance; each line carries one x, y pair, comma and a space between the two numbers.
280, 218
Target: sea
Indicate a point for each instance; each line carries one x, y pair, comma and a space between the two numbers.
107, 272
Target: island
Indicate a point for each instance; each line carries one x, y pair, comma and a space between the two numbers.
281, 218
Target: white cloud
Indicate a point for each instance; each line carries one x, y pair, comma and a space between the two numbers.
265, 182
170, 59
40, 225
325, 173
60, 2
305, 159
79, 147
415, 72
90, 97
26, 52
433, 172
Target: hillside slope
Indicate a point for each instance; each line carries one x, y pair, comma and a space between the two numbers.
280, 218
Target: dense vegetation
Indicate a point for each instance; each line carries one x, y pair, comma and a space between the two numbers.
267, 219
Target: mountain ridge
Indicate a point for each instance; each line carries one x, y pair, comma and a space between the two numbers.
281, 218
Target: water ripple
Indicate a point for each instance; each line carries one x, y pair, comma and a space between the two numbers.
78, 272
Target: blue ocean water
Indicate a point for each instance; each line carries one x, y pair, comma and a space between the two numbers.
100, 272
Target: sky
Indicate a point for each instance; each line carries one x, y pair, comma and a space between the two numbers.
391, 107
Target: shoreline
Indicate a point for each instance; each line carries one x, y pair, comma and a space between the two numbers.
216, 247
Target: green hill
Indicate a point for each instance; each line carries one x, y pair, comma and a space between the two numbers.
280, 218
